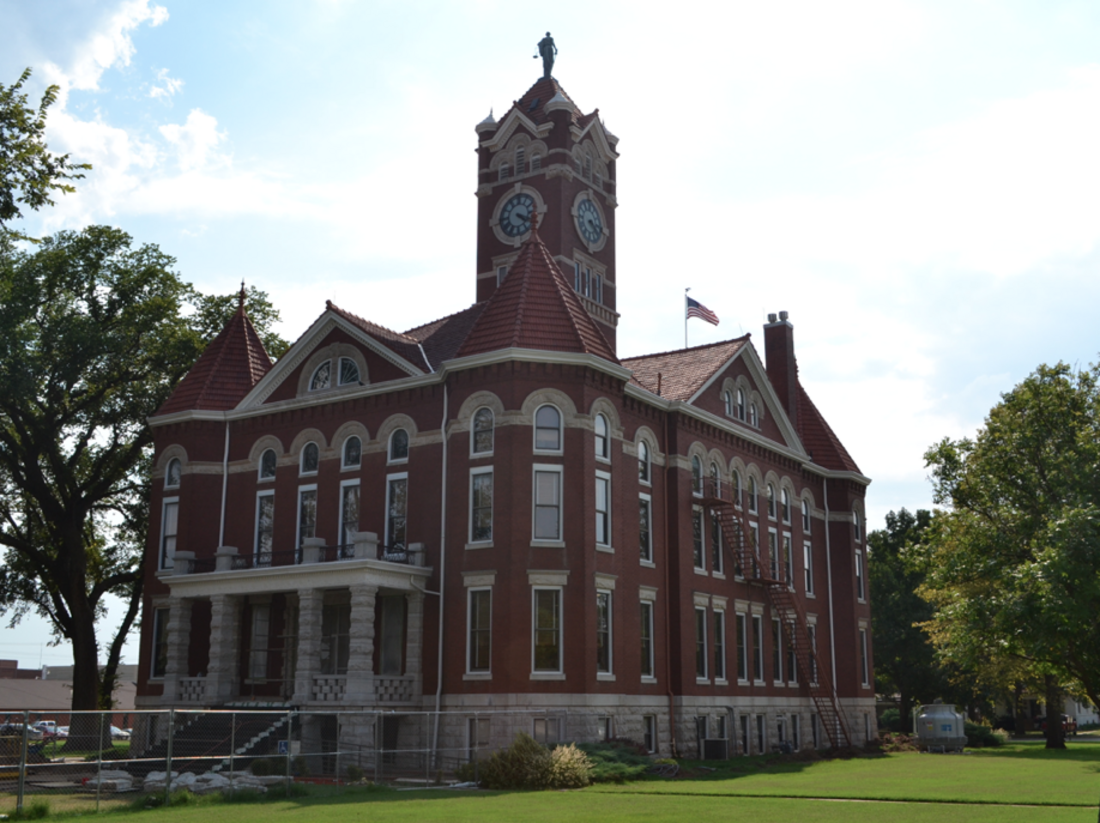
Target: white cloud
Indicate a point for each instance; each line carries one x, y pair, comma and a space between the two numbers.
194, 142
171, 86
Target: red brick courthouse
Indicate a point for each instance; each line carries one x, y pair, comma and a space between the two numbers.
494, 509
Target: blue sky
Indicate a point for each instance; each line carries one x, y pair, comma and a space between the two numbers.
917, 183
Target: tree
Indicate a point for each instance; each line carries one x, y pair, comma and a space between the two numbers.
93, 338
213, 310
29, 173
1014, 563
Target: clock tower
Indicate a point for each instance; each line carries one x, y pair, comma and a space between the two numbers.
544, 155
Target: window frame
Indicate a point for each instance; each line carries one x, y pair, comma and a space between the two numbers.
257, 555
475, 431
302, 470
649, 732
696, 476
390, 458
342, 531
603, 517
807, 521
758, 649
719, 645
340, 381
741, 404
473, 593
861, 577
785, 505
808, 568
168, 484
476, 472
777, 652
702, 664
864, 661
559, 449
753, 491
648, 658
602, 440
304, 490
260, 476
698, 539
536, 470
645, 464
161, 617
645, 546
741, 623
310, 387
388, 537
754, 415
769, 495
607, 604
344, 464
164, 562
558, 592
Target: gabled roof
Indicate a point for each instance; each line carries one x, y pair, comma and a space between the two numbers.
400, 344
684, 371
536, 308
819, 439
442, 338
232, 364
533, 103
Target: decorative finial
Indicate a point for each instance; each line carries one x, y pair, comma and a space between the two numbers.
240, 297
547, 50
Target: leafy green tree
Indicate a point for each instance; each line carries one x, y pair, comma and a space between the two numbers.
1013, 565
29, 173
94, 335
213, 310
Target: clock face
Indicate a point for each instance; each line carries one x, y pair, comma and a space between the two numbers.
515, 215
588, 221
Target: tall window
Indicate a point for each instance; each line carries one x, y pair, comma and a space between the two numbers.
716, 543
715, 479
349, 372
696, 476
536, 162
777, 651
649, 732
547, 626
753, 505
311, 458
698, 557
792, 664
603, 446
740, 404
399, 446
603, 632
349, 511
268, 463
160, 642
742, 647
863, 666
773, 554
352, 454
597, 288
307, 513
861, 592
547, 429
808, 566
770, 492
173, 473
503, 173
479, 642
736, 479
397, 505
520, 160
645, 529
757, 648
788, 561
700, 643
647, 639
169, 529
754, 417
643, 462
335, 638
805, 517
785, 505
265, 528
547, 522
719, 645
857, 526
482, 432
603, 509
481, 505
812, 629
727, 403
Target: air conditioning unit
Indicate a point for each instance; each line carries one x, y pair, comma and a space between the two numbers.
716, 749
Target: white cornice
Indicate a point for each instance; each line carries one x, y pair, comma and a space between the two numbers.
599, 136
536, 356
512, 120
302, 576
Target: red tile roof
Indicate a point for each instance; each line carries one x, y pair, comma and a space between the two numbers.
442, 338
819, 439
232, 364
536, 308
400, 344
684, 371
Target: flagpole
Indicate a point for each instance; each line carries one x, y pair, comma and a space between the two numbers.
686, 316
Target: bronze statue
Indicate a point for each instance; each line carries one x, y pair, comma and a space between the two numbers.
547, 50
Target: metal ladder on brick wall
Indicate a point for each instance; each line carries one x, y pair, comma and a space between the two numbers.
756, 570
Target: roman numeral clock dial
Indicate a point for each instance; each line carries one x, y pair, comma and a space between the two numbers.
515, 215
589, 223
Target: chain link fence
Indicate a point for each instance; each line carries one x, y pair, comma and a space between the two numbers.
84, 761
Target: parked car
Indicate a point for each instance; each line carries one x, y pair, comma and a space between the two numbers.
1069, 725
62, 732
119, 734
48, 728
16, 730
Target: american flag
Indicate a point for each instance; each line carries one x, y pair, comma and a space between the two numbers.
697, 309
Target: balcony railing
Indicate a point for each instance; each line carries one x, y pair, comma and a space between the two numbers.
312, 550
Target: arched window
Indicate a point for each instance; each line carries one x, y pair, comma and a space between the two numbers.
770, 492
740, 404
696, 475
587, 166
785, 505
503, 172
858, 526
754, 419
643, 461
737, 489
752, 495
548, 429
353, 451
599, 180
577, 164
519, 160
805, 517
173, 474
603, 449
311, 458
536, 162
727, 401
322, 377
482, 432
399, 445
268, 462
715, 479
349, 371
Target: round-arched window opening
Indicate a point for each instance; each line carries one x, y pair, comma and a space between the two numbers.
770, 492
173, 474
805, 517
353, 451
752, 495
643, 462
399, 445
602, 444
754, 419
737, 489
548, 429
696, 475
322, 377
785, 505
483, 432
349, 372
311, 458
740, 404
268, 462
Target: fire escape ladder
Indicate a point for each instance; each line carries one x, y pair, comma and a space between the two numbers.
750, 562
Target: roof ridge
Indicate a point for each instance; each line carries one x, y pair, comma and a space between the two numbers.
745, 336
409, 332
350, 315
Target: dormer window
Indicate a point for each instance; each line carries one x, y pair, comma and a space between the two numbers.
519, 160
588, 167
740, 404
268, 462
322, 377
173, 474
399, 445
349, 372
754, 418
311, 458
536, 162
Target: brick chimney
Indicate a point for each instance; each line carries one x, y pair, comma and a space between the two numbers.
781, 364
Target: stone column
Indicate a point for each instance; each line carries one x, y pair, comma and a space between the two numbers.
414, 641
310, 603
179, 638
366, 545
311, 549
224, 666
360, 683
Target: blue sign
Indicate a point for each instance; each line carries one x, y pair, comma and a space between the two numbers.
284, 747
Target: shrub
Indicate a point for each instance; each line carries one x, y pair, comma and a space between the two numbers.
262, 767
890, 720
355, 774
979, 736
898, 743
523, 765
570, 768
616, 761
32, 811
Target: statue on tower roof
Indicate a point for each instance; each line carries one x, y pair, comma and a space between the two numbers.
547, 50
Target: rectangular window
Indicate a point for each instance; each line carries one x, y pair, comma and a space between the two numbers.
546, 730
645, 529
861, 592
780, 730
502, 272
479, 640
697, 538
603, 632
716, 544
547, 503
597, 288
649, 732
477, 737
169, 528
808, 565
603, 509
773, 554
307, 513
604, 729
647, 639
481, 506
349, 512
754, 530
863, 667
160, 642
812, 629
777, 651
257, 641
335, 638
792, 664
701, 643
547, 630
742, 647
757, 648
265, 528
397, 509
788, 561
721, 732
719, 645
